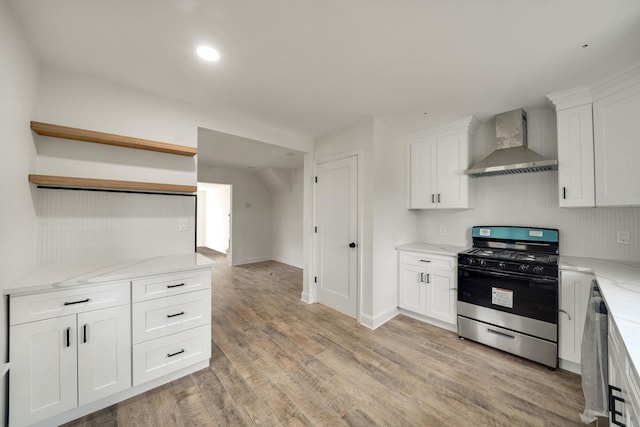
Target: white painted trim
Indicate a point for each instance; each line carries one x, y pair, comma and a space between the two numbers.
375, 322
429, 320
251, 260
617, 82
470, 124
4, 368
342, 155
283, 261
570, 366
305, 297
571, 98
119, 397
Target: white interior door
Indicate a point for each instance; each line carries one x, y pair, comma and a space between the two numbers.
337, 234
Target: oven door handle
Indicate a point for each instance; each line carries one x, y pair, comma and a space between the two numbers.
507, 275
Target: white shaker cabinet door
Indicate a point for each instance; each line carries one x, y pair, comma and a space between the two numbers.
43, 376
442, 296
422, 174
451, 181
412, 291
575, 157
617, 148
104, 353
575, 289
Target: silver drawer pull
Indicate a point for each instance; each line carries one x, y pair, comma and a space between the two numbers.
174, 315
176, 353
502, 334
175, 286
76, 302
424, 260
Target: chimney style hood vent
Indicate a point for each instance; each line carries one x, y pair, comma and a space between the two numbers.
511, 154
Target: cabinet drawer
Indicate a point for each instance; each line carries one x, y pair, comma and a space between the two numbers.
155, 358
164, 316
170, 284
28, 308
428, 260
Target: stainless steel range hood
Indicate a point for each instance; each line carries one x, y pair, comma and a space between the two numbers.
511, 154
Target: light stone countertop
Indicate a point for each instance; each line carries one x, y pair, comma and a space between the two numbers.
619, 283
66, 276
432, 248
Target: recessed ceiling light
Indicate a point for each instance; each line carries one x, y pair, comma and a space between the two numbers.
208, 53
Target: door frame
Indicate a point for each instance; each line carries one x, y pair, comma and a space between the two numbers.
313, 287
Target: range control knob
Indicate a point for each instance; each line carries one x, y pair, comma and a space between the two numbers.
482, 263
524, 267
502, 265
538, 269
471, 261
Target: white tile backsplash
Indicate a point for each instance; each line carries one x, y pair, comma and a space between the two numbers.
83, 226
531, 199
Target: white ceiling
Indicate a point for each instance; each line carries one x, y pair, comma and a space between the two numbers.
314, 66
231, 151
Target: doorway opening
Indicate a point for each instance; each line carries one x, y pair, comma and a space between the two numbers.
214, 218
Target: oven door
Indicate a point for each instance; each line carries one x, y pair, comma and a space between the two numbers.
520, 302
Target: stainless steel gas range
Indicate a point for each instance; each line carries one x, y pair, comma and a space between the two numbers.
508, 291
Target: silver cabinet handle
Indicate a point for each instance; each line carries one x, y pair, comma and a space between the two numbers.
502, 334
424, 260
428, 280
421, 277
433, 198
438, 197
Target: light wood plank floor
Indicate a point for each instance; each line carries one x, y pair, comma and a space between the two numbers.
278, 361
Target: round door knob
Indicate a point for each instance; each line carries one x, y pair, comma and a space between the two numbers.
352, 245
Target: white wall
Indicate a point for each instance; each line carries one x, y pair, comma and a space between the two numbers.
286, 221
532, 200
251, 213
217, 207
83, 226
393, 223
18, 86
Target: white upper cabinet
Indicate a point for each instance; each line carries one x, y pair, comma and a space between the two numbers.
598, 146
575, 156
616, 125
438, 158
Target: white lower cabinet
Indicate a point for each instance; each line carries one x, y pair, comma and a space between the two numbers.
624, 388
427, 286
101, 344
575, 288
60, 363
172, 324
104, 353
44, 372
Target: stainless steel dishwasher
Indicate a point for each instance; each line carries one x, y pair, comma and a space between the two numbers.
594, 360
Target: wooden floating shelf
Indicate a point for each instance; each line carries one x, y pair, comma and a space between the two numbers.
91, 183
57, 131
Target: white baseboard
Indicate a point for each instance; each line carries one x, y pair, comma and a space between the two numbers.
251, 260
429, 320
284, 261
379, 320
306, 297
567, 365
